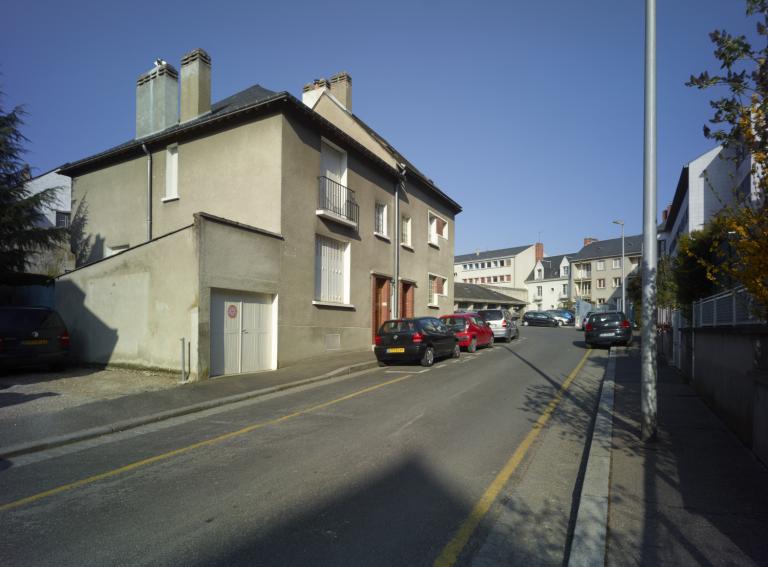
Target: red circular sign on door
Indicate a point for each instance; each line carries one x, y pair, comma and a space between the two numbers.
232, 311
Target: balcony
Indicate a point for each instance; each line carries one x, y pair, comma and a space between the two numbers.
583, 275
337, 202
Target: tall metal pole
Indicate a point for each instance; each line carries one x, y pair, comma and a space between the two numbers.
648, 353
623, 287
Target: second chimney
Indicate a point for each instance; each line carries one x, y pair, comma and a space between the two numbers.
589, 240
195, 84
539, 251
341, 88
157, 99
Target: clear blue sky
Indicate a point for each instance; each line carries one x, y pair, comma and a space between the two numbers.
529, 114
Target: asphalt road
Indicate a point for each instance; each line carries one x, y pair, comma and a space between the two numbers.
395, 466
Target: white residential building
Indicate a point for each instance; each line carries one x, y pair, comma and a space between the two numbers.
549, 283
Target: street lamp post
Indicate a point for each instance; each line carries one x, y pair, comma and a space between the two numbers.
623, 290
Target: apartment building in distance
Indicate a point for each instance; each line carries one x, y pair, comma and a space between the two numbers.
549, 283
596, 269
505, 268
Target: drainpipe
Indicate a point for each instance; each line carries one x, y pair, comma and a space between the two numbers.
399, 186
149, 191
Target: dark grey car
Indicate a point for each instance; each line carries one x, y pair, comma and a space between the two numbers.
32, 336
609, 328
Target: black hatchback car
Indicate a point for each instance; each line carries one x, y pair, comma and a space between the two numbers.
420, 339
539, 318
31, 336
609, 328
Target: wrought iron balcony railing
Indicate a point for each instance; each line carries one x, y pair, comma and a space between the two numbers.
337, 202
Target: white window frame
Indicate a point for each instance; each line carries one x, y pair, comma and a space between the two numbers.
616, 282
433, 237
171, 173
406, 226
598, 283
322, 298
436, 297
600, 265
539, 291
616, 263
384, 221
343, 153
565, 270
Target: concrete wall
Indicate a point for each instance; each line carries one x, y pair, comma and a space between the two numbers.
728, 367
132, 309
235, 258
234, 174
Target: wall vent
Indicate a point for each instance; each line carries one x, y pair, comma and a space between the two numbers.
333, 342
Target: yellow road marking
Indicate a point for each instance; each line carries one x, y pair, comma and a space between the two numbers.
175, 452
451, 551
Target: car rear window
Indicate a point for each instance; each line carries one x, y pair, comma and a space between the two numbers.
458, 322
14, 320
404, 326
607, 318
491, 314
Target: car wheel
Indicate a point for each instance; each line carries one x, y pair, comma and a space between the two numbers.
559, 323
588, 345
429, 357
472, 345
491, 342
456, 351
382, 363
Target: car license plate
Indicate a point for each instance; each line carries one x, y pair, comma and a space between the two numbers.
390, 350
606, 334
35, 342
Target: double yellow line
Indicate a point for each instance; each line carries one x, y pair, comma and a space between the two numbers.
454, 548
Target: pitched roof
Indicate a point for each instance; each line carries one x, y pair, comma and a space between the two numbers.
253, 99
475, 292
633, 246
551, 266
500, 253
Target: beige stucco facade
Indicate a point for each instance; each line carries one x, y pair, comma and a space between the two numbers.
263, 174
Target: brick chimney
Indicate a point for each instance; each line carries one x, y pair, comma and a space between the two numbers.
341, 88
665, 213
157, 99
589, 240
312, 91
539, 251
195, 84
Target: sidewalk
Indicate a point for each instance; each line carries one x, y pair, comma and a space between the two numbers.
28, 433
697, 496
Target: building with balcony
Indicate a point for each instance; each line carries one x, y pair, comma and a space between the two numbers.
261, 229
597, 269
549, 283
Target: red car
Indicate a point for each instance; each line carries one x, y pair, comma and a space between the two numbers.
470, 329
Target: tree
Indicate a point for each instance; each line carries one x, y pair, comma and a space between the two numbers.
738, 250
21, 211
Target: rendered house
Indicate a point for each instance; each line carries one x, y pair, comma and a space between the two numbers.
596, 269
505, 268
549, 283
260, 229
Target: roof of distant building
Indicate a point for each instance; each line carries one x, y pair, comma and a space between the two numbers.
633, 246
551, 267
491, 254
475, 292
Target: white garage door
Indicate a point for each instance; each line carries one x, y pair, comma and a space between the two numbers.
241, 332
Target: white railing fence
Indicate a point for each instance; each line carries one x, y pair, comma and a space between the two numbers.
728, 308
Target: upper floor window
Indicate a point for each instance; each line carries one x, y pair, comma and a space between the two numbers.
600, 265
601, 283
566, 269
616, 263
438, 228
616, 282
172, 172
539, 273
62, 219
331, 270
380, 219
405, 231
436, 288
502, 263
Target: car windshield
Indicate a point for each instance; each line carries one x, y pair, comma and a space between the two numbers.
491, 314
402, 326
14, 320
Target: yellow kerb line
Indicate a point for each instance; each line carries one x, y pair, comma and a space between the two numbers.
454, 548
175, 452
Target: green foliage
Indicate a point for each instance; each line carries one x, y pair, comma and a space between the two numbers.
693, 268
21, 212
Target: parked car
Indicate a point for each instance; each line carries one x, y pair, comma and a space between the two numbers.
569, 315
608, 328
559, 317
470, 329
539, 318
31, 336
420, 339
585, 318
502, 323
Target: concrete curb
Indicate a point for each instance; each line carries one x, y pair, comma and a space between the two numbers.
85, 434
591, 530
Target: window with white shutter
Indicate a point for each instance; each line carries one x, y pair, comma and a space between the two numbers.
331, 270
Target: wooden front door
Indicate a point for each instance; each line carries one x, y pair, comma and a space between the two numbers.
379, 303
406, 299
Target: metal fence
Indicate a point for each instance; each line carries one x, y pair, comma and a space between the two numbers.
728, 308
338, 199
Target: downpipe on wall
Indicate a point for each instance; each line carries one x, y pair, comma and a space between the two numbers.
399, 186
149, 191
